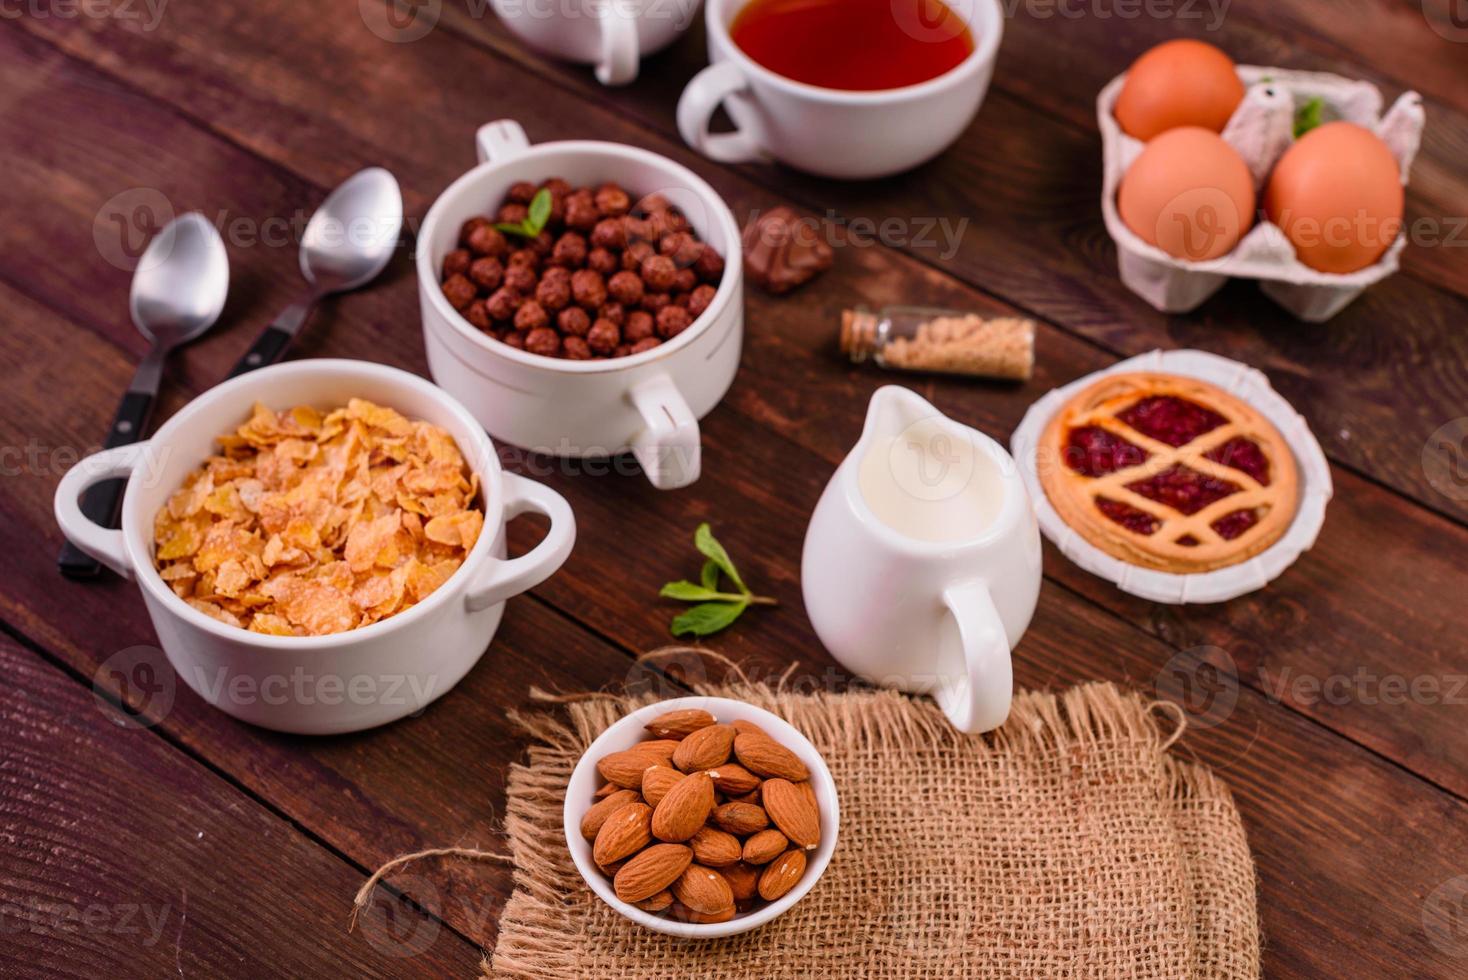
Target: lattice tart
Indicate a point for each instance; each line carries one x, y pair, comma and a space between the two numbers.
1168, 472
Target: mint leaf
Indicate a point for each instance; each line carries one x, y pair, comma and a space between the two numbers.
689, 592
710, 574
1308, 116
707, 618
709, 547
522, 229
539, 213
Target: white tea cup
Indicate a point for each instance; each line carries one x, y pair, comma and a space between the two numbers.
849, 135
921, 566
612, 35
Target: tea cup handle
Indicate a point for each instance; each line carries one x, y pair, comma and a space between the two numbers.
104, 544
619, 46
978, 702
668, 449
508, 577
696, 108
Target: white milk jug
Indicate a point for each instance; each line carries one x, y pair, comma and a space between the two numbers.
922, 561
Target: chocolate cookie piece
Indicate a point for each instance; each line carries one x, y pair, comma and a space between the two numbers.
783, 252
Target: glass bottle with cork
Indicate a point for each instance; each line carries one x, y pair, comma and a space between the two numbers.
916, 338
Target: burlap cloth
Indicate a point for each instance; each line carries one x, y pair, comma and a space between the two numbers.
1070, 843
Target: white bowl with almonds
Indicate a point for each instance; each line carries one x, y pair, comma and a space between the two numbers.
701, 817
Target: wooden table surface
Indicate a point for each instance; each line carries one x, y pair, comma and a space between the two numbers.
181, 841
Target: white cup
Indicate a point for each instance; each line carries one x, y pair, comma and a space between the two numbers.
648, 404
829, 132
612, 35
934, 617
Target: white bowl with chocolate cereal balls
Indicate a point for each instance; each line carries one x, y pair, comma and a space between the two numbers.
701, 817
583, 299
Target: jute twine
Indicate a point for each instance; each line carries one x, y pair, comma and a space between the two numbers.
1070, 843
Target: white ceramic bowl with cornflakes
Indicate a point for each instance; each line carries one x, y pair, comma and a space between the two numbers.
337, 682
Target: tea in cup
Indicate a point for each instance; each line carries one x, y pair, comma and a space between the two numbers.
841, 88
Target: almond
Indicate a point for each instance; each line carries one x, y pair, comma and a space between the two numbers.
732, 779
751, 797
657, 903
623, 834
764, 847
703, 890
625, 768
686, 914
763, 755
679, 724
740, 818
607, 789
748, 728
651, 871
663, 748
743, 881
656, 781
684, 809
716, 848
598, 814
781, 875
705, 748
792, 811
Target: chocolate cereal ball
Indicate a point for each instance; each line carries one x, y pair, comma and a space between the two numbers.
487, 273
477, 315
531, 316
543, 341
569, 251
457, 263
574, 321
603, 337
636, 254
512, 213
554, 289
581, 213
521, 192
588, 288
672, 320
653, 302
520, 278
699, 300
639, 326
625, 287
459, 291
486, 239
710, 265
612, 201
645, 344
614, 312
659, 273
609, 233
684, 281
603, 260
502, 303
575, 349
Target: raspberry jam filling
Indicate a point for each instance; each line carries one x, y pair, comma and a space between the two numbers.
1093, 451
1129, 517
1187, 541
1242, 454
1184, 490
1231, 525
1170, 419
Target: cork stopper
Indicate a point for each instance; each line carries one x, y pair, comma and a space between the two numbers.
858, 333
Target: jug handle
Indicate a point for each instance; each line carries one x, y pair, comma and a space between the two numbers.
978, 702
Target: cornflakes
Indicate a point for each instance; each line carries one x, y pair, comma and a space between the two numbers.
308, 523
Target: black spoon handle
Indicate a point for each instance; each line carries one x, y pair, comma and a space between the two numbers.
100, 501
271, 345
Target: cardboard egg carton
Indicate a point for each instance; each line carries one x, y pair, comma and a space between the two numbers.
1261, 129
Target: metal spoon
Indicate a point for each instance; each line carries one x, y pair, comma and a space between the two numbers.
178, 292
348, 241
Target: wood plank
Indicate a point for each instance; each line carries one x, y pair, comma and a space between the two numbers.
799, 383
124, 857
438, 779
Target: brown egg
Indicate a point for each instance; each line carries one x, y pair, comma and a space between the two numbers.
1337, 196
1178, 83
1189, 193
